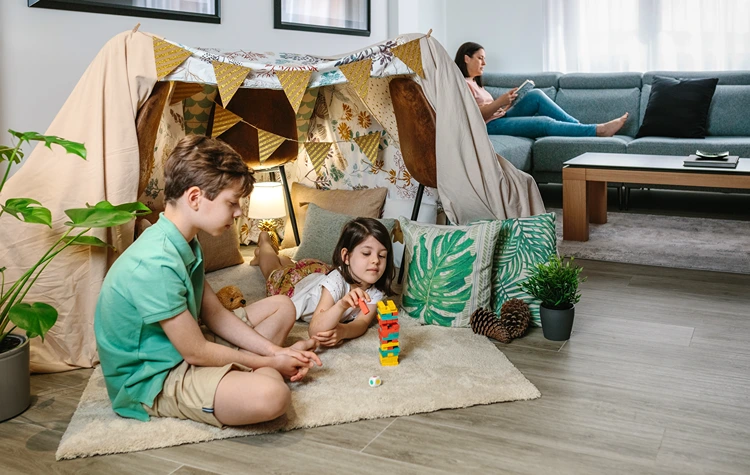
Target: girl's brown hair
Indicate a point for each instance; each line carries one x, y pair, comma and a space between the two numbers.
207, 163
356, 231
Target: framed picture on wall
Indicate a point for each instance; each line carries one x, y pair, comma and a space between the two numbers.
344, 17
206, 11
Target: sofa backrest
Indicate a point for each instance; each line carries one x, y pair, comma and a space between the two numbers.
593, 98
727, 115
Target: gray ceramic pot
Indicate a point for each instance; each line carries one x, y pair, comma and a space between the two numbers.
557, 324
15, 387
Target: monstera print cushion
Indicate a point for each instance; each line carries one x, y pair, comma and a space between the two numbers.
450, 271
523, 243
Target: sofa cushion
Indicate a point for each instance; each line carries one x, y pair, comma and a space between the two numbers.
728, 112
678, 107
595, 106
517, 150
550, 152
220, 251
683, 147
600, 81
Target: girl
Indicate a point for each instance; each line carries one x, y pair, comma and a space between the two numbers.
534, 116
329, 298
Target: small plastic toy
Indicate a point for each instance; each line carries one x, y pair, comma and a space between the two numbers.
363, 307
375, 381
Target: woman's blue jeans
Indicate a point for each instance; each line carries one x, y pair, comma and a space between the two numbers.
536, 115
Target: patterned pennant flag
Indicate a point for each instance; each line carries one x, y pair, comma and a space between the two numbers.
305, 112
223, 121
294, 84
229, 78
317, 151
358, 74
369, 145
267, 144
183, 90
167, 57
411, 54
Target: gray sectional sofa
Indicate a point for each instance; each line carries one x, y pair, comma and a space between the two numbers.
599, 97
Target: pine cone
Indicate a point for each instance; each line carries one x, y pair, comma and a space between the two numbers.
486, 323
515, 317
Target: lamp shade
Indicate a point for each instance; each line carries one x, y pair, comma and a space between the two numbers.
267, 201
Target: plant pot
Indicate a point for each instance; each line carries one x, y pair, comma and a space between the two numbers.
15, 385
557, 324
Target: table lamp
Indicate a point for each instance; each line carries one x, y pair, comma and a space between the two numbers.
267, 205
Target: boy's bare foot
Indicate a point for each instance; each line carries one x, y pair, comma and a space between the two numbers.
306, 345
608, 129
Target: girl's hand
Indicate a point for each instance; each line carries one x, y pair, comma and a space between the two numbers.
329, 338
352, 299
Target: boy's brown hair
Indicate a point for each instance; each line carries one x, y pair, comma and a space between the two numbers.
207, 163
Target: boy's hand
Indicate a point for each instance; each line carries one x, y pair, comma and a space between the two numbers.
290, 367
305, 357
352, 299
329, 338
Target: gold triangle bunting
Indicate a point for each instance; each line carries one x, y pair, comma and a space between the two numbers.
267, 144
167, 57
369, 145
183, 90
294, 84
411, 54
229, 78
358, 74
223, 121
317, 151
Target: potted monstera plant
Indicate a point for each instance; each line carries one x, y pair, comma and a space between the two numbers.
37, 318
555, 283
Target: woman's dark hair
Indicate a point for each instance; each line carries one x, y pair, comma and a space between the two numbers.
356, 231
467, 49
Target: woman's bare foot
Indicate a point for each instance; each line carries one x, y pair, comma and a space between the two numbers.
306, 345
608, 129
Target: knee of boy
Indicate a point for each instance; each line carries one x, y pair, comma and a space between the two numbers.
278, 400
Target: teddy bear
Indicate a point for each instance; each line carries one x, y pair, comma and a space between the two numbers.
231, 297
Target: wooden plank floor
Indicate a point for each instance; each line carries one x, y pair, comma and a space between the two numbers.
655, 379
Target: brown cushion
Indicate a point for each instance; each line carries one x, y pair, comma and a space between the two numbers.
220, 251
367, 203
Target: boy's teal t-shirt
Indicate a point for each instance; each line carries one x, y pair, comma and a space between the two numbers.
158, 277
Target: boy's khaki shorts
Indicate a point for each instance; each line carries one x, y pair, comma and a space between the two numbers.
189, 391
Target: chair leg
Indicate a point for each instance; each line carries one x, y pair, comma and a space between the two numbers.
414, 216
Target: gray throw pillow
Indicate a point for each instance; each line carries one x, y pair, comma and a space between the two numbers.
322, 231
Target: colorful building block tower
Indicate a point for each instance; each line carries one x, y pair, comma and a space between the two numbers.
388, 332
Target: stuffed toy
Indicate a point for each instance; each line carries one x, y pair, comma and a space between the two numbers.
231, 297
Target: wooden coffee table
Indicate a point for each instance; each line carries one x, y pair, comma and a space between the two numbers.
585, 183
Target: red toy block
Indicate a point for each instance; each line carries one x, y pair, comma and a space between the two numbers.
363, 307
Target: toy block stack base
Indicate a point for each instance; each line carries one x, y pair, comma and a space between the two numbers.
388, 332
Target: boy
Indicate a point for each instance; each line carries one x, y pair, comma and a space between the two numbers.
155, 359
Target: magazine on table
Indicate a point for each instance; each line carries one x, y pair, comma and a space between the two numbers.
522, 90
729, 161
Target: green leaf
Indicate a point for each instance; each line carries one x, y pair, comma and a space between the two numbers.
7, 152
439, 278
75, 148
36, 318
28, 210
86, 241
104, 214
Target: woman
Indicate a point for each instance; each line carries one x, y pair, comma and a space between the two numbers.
535, 115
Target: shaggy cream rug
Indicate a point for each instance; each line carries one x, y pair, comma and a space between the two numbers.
440, 368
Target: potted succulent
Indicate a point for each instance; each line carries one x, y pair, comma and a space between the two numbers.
555, 283
37, 318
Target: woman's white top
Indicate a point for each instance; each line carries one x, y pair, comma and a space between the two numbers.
307, 294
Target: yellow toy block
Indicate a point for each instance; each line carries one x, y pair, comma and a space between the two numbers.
389, 308
388, 361
389, 345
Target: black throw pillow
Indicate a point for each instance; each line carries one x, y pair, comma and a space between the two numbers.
678, 108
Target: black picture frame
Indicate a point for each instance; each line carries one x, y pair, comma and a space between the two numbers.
279, 24
127, 7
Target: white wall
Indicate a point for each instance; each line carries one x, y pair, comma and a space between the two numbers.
44, 52
511, 31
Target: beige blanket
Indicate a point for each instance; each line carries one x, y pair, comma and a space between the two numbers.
473, 181
100, 112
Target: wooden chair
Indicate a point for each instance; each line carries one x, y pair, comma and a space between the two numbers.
415, 120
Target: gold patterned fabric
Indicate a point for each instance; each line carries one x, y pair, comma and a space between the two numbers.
167, 57
369, 145
229, 78
317, 151
294, 84
411, 54
267, 144
358, 75
223, 121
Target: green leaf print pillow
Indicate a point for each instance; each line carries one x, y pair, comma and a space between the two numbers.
522, 244
450, 271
